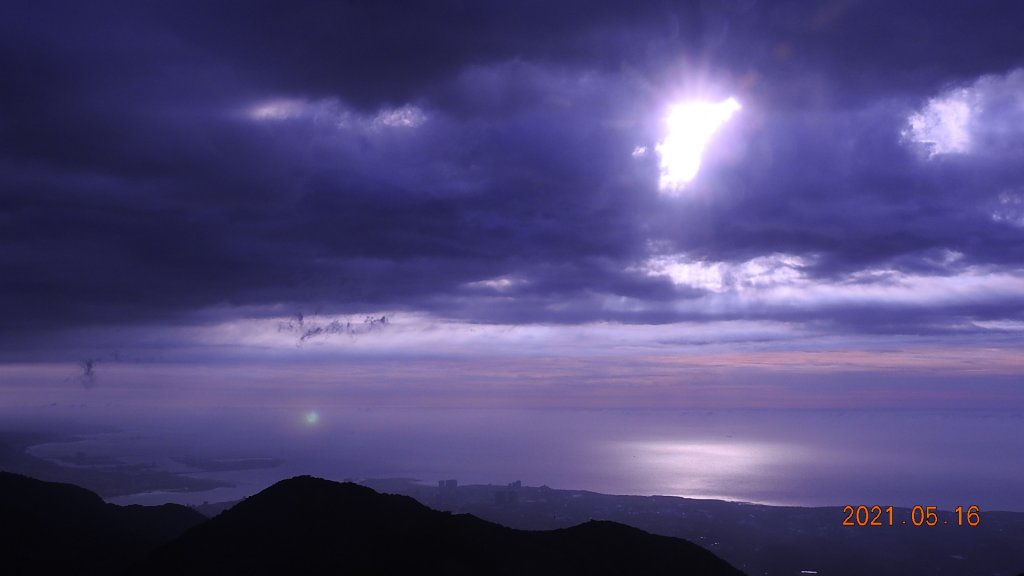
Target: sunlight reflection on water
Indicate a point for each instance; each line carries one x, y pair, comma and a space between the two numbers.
705, 469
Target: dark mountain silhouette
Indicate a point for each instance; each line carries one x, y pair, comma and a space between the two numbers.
52, 528
308, 525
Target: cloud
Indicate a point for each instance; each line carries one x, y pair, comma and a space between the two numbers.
984, 117
942, 127
332, 113
193, 164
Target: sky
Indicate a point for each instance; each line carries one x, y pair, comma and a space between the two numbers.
507, 203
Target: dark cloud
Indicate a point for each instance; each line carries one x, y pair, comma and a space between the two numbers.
164, 161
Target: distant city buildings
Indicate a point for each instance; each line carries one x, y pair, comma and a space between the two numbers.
450, 496
447, 489
510, 496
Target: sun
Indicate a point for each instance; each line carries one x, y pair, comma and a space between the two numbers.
690, 127
312, 417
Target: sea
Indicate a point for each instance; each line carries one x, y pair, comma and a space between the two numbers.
777, 457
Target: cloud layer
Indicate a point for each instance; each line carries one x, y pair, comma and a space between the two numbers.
189, 164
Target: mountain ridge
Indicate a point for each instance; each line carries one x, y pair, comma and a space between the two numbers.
306, 524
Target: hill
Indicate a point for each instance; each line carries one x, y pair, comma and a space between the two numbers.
53, 528
310, 525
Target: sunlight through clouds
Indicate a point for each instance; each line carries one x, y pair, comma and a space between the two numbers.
718, 277
778, 281
690, 128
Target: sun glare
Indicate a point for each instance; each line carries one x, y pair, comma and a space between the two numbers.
690, 127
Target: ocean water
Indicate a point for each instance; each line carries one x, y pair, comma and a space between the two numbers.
782, 457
